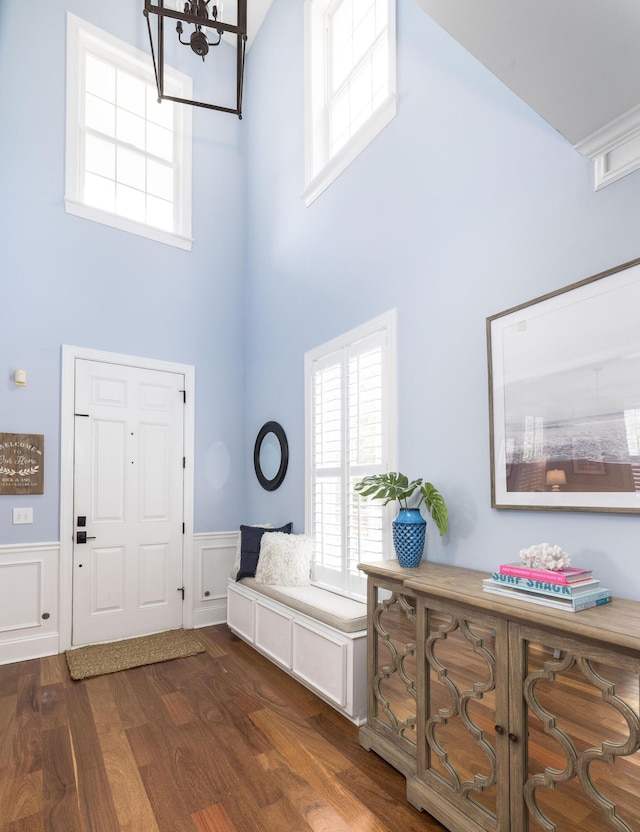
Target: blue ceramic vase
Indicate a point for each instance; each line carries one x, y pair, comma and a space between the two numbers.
408, 536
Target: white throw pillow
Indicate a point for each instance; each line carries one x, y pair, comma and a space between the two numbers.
285, 559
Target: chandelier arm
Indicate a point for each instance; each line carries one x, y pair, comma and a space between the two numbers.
164, 11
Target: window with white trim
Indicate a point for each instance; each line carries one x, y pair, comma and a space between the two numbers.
350, 88
350, 432
128, 156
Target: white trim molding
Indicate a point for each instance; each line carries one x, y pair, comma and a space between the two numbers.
614, 149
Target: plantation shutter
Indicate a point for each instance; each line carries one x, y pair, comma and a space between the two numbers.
349, 432
327, 451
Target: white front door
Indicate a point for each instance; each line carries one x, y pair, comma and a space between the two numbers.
128, 501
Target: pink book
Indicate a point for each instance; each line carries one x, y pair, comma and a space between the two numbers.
562, 576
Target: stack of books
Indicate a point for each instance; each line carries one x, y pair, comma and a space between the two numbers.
567, 589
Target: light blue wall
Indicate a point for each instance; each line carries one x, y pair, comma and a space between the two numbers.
467, 204
64, 280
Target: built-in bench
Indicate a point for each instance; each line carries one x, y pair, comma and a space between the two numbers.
317, 636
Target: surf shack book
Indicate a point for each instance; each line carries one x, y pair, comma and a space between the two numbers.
546, 587
570, 604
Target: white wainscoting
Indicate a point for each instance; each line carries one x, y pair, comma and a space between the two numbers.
30, 591
29, 616
213, 556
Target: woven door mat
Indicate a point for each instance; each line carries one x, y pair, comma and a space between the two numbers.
97, 659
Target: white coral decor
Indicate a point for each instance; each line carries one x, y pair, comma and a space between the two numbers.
544, 556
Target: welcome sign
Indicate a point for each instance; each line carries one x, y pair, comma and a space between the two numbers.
21, 463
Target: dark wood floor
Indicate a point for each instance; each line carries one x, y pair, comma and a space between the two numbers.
219, 742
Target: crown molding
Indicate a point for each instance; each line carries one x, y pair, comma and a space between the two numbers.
614, 148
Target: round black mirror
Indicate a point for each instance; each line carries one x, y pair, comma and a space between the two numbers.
271, 455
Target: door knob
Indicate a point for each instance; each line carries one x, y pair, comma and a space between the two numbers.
81, 537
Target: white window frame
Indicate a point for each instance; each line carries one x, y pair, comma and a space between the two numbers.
83, 38
321, 169
349, 581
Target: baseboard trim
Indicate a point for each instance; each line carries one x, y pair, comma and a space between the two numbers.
23, 649
216, 613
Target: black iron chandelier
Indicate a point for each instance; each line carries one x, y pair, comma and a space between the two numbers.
206, 18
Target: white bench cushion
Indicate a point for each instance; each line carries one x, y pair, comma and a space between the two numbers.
336, 611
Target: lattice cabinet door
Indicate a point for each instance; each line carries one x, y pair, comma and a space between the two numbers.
581, 766
391, 721
462, 744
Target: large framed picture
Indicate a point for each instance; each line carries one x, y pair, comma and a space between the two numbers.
564, 397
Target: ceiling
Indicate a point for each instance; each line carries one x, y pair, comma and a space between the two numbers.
256, 13
575, 62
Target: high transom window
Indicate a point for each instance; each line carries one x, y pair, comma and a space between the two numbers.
358, 66
350, 83
128, 156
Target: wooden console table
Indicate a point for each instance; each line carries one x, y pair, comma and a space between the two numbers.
503, 716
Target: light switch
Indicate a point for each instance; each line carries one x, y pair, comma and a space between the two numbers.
22, 515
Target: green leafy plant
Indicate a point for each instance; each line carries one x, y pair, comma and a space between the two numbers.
395, 486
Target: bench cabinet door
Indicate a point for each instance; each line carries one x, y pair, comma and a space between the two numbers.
273, 633
321, 661
240, 614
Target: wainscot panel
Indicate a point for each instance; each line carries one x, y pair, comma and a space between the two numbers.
28, 601
213, 557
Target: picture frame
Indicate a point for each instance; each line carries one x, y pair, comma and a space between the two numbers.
21, 463
564, 397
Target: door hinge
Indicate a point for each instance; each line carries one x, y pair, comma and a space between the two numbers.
183, 528
184, 396
184, 462
181, 589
